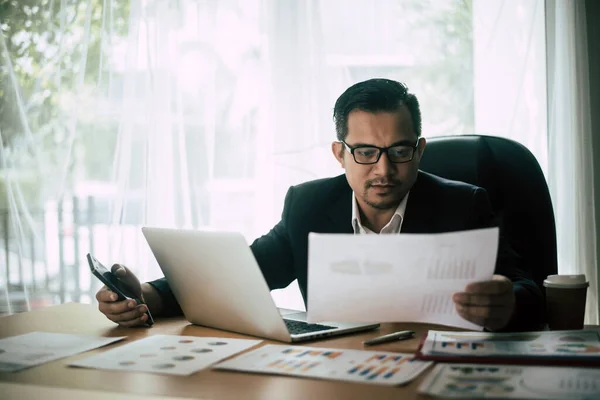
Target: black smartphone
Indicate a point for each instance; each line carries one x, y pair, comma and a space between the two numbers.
114, 284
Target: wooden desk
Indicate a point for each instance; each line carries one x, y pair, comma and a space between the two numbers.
208, 384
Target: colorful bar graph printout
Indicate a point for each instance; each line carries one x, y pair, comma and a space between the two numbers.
373, 367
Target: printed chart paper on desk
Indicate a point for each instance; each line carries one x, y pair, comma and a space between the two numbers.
581, 347
481, 381
396, 278
167, 354
36, 348
326, 363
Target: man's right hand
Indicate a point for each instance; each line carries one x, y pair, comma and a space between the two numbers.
124, 312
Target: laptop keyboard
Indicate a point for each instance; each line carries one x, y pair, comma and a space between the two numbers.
298, 327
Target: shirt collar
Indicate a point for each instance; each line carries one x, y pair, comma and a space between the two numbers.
393, 226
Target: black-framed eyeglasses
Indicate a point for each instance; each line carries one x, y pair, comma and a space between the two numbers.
371, 154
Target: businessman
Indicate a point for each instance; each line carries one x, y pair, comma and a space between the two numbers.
379, 145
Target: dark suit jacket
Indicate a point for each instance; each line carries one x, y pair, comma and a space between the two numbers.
434, 205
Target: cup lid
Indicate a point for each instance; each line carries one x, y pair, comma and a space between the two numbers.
566, 281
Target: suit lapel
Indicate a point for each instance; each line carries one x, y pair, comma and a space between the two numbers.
338, 218
420, 215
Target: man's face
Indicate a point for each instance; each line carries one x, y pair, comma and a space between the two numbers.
381, 185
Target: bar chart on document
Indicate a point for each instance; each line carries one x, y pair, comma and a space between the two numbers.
345, 365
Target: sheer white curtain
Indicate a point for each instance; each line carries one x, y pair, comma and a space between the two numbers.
193, 114
570, 144
117, 115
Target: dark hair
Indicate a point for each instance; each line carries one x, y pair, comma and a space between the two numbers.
375, 95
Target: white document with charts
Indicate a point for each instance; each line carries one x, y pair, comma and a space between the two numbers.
396, 278
481, 381
380, 368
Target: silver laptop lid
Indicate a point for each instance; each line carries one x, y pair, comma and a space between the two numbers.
216, 280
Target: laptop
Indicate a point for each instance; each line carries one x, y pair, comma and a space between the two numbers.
218, 283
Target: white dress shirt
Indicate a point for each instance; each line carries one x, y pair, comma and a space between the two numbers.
393, 226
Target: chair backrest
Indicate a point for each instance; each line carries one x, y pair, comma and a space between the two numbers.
517, 188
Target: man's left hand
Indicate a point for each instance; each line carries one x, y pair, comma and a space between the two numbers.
488, 303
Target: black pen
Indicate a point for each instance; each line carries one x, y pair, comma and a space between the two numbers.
390, 337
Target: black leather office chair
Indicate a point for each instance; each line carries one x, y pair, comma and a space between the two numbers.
516, 186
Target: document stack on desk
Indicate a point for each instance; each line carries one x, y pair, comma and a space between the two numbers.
542, 348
